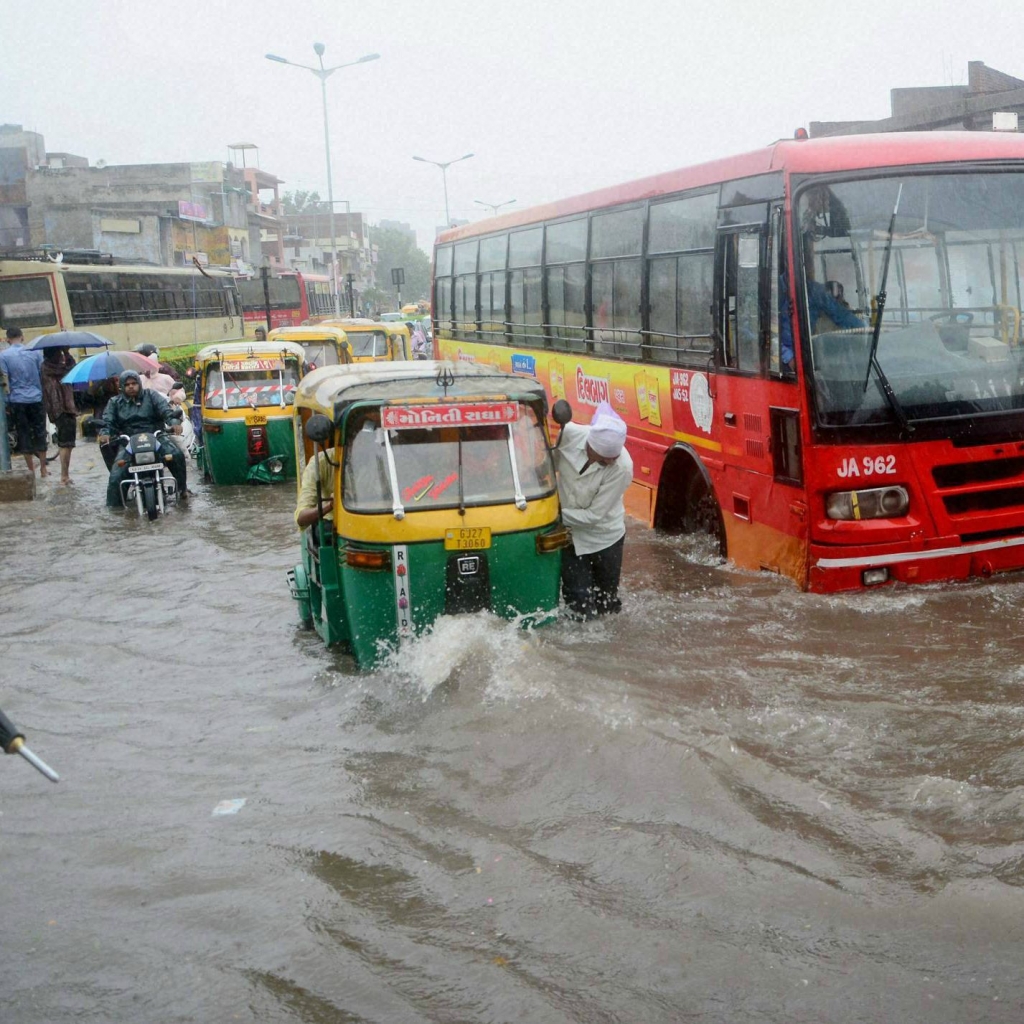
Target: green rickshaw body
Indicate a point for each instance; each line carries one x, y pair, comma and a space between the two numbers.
246, 393
444, 497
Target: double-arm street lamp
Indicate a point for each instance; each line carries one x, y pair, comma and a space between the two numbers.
323, 74
444, 177
494, 207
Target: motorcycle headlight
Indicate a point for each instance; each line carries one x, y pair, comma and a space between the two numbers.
873, 503
144, 458
276, 466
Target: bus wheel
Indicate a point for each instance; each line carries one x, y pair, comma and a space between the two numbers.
701, 513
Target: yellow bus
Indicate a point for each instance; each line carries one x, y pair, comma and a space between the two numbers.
170, 307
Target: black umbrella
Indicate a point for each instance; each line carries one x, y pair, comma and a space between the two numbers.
70, 339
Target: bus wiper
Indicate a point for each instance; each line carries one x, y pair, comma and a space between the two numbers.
883, 381
880, 298
890, 396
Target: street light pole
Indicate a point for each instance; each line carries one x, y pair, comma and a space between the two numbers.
444, 177
494, 207
323, 74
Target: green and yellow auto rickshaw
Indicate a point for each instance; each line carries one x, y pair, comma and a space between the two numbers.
246, 390
444, 501
325, 344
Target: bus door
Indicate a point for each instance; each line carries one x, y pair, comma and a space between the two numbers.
755, 396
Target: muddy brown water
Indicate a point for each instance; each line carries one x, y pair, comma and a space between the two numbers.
734, 802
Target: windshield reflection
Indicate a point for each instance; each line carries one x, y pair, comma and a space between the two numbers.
949, 340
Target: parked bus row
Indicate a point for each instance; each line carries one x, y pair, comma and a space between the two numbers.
817, 346
293, 298
169, 307
129, 305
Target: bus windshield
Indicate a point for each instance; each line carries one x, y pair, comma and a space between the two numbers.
427, 465
949, 340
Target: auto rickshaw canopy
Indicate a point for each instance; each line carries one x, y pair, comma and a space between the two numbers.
330, 390
242, 350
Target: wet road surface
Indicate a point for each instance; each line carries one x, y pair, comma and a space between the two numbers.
734, 802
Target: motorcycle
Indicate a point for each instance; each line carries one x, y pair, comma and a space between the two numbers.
149, 482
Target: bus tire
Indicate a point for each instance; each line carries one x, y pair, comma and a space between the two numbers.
686, 499
702, 514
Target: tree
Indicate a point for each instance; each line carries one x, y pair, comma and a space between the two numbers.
298, 202
396, 249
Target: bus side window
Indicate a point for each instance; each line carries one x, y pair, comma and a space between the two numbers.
786, 452
741, 282
780, 319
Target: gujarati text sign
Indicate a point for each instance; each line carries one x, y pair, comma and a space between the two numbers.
471, 414
234, 365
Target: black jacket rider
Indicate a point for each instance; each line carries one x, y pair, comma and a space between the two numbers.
148, 411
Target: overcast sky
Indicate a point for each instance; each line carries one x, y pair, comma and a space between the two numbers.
554, 97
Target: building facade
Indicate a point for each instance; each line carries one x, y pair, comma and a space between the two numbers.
216, 213
991, 100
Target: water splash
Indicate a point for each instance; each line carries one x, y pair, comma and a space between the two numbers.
496, 656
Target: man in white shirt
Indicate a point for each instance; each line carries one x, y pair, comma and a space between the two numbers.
594, 471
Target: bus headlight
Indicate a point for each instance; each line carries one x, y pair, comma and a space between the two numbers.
874, 503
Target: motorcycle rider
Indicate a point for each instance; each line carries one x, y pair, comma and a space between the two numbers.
135, 411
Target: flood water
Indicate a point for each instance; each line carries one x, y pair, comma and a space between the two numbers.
732, 803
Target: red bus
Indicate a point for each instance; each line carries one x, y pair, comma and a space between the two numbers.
294, 298
817, 347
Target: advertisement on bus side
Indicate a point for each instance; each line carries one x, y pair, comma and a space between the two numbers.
673, 402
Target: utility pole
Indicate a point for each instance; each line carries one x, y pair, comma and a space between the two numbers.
349, 282
265, 274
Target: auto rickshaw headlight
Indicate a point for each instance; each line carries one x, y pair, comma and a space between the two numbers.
871, 503
275, 465
554, 540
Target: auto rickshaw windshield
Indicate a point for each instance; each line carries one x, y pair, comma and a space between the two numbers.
239, 388
372, 344
490, 461
320, 353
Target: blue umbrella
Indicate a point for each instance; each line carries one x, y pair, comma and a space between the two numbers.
69, 339
108, 364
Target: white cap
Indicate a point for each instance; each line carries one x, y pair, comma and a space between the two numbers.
607, 432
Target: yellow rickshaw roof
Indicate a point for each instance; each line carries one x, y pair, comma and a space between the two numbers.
363, 324
249, 350
328, 388
308, 332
